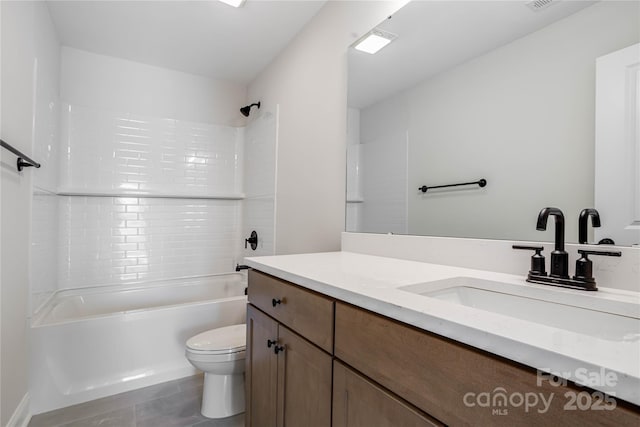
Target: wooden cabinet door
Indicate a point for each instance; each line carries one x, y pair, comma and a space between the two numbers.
357, 402
261, 370
304, 382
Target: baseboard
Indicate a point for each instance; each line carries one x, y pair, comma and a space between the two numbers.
22, 415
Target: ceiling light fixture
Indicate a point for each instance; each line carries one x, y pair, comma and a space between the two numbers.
234, 3
374, 40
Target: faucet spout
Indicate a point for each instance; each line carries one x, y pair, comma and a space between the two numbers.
582, 223
559, 258
559, 222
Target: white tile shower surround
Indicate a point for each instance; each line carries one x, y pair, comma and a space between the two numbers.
103, 240
124, 239
104, 151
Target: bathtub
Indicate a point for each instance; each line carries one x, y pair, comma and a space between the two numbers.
94, 342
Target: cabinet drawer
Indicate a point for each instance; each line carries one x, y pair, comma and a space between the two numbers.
305, 312
357, 402
445, 378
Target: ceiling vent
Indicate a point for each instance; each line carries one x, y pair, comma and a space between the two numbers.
537, 5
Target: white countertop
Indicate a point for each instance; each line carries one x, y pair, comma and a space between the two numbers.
372, 282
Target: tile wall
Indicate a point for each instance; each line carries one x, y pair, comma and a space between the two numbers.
84, 233
106, 150
123, 239
107, 240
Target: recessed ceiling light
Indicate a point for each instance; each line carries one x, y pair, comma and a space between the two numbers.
374, 40
234, 3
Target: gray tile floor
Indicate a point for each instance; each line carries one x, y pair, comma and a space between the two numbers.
171, 404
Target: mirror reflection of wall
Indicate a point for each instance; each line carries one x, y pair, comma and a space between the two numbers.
518, 113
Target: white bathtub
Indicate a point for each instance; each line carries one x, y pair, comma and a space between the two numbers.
94, 342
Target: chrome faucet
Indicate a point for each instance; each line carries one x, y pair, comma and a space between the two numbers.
559, 258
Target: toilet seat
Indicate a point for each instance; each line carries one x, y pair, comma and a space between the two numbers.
203, 356
227, 342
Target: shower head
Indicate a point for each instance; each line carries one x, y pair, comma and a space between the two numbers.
245, 110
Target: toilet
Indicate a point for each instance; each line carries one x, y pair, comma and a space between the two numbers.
220, 354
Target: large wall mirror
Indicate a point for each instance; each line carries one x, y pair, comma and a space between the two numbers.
503, 91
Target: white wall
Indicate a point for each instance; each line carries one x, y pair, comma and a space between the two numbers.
308, 82
29, 85
492, 116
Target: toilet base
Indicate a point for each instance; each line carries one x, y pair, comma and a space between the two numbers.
223, 395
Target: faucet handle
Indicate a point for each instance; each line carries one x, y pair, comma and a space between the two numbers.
252, 240
537, 260
586, 252
584, 266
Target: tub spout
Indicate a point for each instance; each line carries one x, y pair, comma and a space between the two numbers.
242, 267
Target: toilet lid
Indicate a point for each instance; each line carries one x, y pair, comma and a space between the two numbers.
229, 339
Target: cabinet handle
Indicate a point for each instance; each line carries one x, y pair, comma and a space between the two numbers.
270, 343
275, 302
278, 349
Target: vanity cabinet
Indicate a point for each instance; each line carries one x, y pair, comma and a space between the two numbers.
288, 377
344, 366
459, 384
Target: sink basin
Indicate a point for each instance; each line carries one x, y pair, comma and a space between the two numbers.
610, 320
